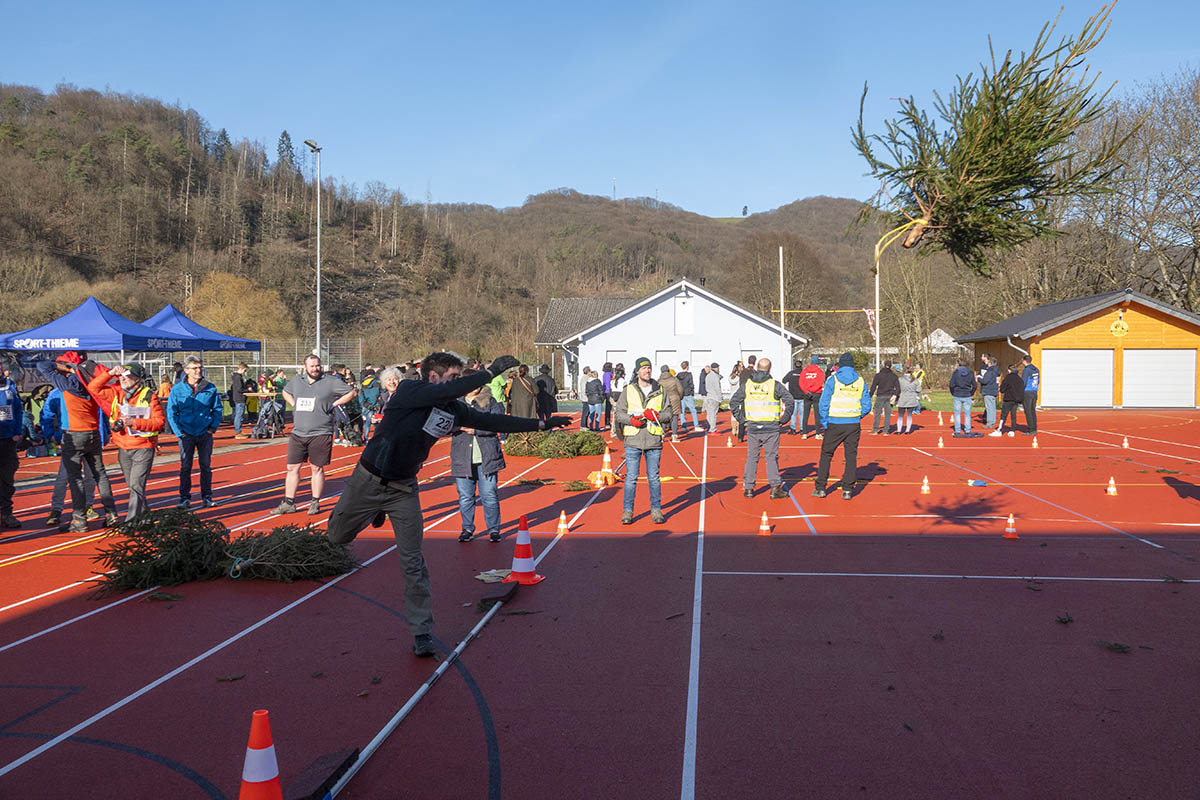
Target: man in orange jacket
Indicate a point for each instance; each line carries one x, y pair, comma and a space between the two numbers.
136, 416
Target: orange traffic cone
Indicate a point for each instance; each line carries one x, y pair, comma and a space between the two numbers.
1035, 444
925, 485
523, 571
1011, 531
729, 441
940, 421
1111, 491
606, 467
562, 523
1125, 442
599, 484
764, 527
260, 774
940, 442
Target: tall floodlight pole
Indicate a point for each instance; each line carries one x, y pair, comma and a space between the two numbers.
313, 146
784, 350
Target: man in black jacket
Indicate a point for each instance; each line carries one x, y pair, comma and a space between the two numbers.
384, 484
688, 385
885, 389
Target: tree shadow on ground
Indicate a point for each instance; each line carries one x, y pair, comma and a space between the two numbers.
963, 511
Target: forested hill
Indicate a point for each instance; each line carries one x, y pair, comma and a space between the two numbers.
125, 197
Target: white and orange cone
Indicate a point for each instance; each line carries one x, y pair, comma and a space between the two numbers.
1035, 444
1125, 442
1010, 532
606, 467
562, 523
941, 422
260, 773
1111, 491
940, 442
764, 527
523, 571
600, 484
729, 441
925, 485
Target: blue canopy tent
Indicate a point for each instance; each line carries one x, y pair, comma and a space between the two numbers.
93, 326
173, 322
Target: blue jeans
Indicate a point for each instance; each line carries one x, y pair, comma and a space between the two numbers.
963, 405
689, 404
239, 410
189, 446
595, 412
797, 414
989, 406
487, 497
632, 464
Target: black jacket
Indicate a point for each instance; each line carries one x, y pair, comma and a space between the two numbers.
1012, 388
547, 389
401, 444
886, 384
237, 388
792, 382
686, 383
962, 383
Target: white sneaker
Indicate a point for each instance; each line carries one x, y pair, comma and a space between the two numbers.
1012, 433
995, 433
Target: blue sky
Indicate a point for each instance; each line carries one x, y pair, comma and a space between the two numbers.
710, 105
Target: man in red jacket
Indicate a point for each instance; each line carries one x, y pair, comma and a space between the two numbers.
812, 384
136, 416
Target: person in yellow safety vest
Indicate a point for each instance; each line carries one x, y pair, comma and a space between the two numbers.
136, 417
844, 403
762, 405
641, 412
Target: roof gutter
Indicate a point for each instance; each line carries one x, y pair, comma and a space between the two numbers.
1014, 347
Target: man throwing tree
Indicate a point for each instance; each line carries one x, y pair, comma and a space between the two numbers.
384, 484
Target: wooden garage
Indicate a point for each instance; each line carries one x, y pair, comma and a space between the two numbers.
1114, 350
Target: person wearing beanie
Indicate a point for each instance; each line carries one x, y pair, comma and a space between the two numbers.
763, 406
136, 417
811, 384
844, 402
641, 415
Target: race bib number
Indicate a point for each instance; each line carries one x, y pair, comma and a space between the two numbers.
135, 412
306, 403
439, 423
6, 414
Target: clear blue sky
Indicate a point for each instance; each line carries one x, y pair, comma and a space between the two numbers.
712, 105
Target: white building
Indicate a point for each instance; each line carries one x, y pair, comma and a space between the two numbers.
682, 322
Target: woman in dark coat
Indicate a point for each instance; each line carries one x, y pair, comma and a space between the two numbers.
475, 462
522, 396
547, 389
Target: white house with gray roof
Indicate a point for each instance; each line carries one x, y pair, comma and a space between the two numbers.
681, 322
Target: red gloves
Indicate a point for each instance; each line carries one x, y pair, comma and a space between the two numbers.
651, 415
638, 421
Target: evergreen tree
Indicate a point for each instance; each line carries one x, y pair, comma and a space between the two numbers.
286, 156
222, 147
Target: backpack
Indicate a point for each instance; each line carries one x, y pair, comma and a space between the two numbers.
812, 379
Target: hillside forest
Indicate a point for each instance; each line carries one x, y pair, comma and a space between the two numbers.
141, 203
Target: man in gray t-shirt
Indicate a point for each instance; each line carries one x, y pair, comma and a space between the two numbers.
312, 396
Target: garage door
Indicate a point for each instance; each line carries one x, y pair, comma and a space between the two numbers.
1159, 379
1077, 378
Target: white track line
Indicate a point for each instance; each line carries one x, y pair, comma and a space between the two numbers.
938, 576
1148, 439
688, 785
1042, 499
45, 594
1118, 446
43, 632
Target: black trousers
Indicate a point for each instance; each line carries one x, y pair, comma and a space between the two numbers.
846, 435
1031, 411
1009, 409
8, 472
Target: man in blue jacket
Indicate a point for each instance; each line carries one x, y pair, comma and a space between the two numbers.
1033, 382
962, 389
11, 432
194, 414
844, 402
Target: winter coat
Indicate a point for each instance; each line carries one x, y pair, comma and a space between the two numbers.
237, 388
643, 439
1013, 388
989, 381
737, 404
82, 411
674, 391
885, 384
522, 397
686, 383
107, 389
792, 382
461, 442
546, 391
194, 413
594, 392
1032, 377
10, 402
712, 386
910, 392
962, 383
846, 376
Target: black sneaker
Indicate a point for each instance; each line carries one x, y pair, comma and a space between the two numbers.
55, 516
847, 494
423, 645
494, 536
111, 520
818, 493
748, 492
9, 521
466, 536
78, 526
778, 492
209, 503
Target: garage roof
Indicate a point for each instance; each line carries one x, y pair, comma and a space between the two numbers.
1038, 320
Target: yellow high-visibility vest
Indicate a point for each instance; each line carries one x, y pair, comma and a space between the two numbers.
633, 403
847, 399
761, 405
141, 398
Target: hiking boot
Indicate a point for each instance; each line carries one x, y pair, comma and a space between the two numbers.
626, 517
314, 506
423, 645
285, 506
7, 520
55, 516
379, 519
656, 516
747, 491
778, 492
111, 520
92, 514
818, 493
494, 536
466, 536
78, 526
847, 494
